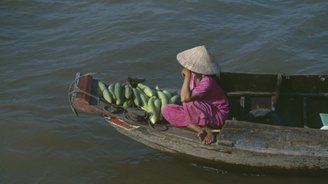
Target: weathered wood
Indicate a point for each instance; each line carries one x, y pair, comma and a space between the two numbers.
281, 93
306, 94
232, 81
255, 93
276, 139
244, 143
85, 83
250, 93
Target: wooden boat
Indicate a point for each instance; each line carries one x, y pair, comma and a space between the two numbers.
265, 129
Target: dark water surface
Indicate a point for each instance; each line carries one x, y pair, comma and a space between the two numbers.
43, 43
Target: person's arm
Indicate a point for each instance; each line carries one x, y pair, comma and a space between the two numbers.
186, 94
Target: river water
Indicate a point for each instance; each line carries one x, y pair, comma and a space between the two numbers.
43, 43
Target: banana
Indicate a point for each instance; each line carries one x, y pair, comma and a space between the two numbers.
151, 110
168, 94
118, 91
164, 100
144, 99
136, 100
175, 99
157, 104
108, 97
101, 85
111, 90
127, 104
146, 89
128, 94
154, 109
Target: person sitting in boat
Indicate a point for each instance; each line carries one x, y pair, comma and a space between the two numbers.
204, 104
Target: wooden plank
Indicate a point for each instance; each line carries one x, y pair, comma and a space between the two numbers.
306, 84
298, 84
249, 93
248, 82
259, 93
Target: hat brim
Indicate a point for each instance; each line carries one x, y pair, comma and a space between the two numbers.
198, 60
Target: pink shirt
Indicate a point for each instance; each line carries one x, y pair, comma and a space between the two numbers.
208, 90
210, 106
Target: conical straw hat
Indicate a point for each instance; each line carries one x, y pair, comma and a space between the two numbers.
198, 60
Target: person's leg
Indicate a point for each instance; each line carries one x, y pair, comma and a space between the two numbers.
195, 127
174, 114
199, 130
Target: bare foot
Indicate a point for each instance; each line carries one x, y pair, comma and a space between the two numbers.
201, 135
204, 134
209, 138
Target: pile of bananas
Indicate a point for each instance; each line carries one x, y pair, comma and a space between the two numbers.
142, 96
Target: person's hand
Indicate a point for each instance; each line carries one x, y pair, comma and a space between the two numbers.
185, 72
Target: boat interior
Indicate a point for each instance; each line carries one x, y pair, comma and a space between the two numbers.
286, 100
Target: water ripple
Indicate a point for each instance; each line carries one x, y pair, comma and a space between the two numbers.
44, 43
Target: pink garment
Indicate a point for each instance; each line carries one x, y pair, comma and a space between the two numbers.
210, 106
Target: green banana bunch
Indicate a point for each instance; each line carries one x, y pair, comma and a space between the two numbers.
142, 96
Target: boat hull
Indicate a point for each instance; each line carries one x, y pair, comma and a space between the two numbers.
250, 149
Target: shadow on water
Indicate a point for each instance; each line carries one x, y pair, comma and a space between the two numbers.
162, 168
224, 168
